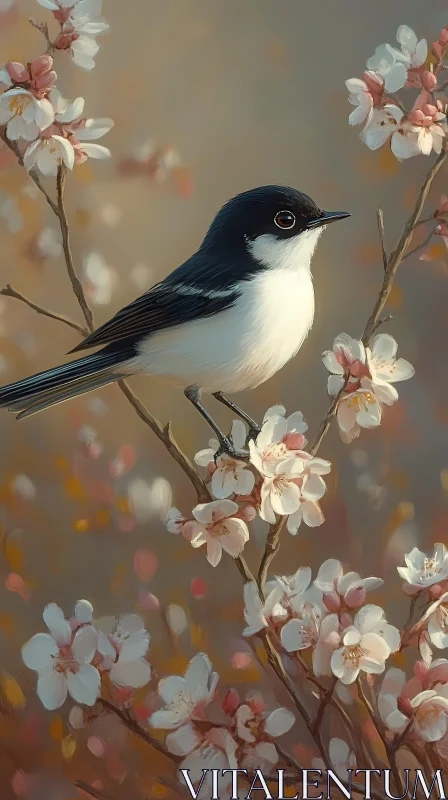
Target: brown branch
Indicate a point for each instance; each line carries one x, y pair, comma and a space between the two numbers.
325, 700
380, 223
396, 257
390, 751
9, 291
419, 247
98, 794
33, 175
42, 27
136, 729
76, 283
272, 545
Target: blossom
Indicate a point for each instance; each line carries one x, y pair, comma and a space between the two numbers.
349, 589
280, 493
86, 131
65, 111
124, 643
437, 618
253, 725
230, 475
174, 520
347, 363
427, 124
310, 630
431, 713
312, 489
78, 35
341, 758
367, 644
388, 64
280, 437
391, 688
216, 748
48, 154
254, 610
393, 64
387, 123
365, 95
38, 77
185, 698
216, 526
63, 662
24, 115
385, 368
423, 571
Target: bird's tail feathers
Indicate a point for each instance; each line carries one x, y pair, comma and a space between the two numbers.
61, 383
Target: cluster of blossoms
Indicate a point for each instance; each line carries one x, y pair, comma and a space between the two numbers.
280, 478
74, 655
236, 734
80, 23
367, 375
49, 130
423, 128
328, 617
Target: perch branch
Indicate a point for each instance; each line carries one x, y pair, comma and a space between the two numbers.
9, 291
136, 729
380, 223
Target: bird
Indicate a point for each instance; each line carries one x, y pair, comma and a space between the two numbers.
224, 321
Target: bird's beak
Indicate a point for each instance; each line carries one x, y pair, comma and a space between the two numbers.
326, 218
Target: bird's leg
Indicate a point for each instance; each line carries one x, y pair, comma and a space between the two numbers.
193, 394
254, 428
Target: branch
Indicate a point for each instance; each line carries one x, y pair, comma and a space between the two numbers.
33, 175
98, 794
9, 291
272, 545
325, 700
76, 283
419, 246
136, 729
390, 751
380, 222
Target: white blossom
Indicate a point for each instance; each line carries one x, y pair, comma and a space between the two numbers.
63, 662
48, 154
422, 570
391, 688
436, 617
231, 476
431, 713
185, 697
367, 644
279, 438
341, 758
252, 725
124, 643
385, 368
24, 115
349, 586
280, 493
219, 529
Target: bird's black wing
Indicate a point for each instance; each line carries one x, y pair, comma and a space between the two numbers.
178, 299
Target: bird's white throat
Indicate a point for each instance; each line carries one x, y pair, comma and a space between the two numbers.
293, 253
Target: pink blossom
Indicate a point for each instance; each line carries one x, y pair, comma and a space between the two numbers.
425, 119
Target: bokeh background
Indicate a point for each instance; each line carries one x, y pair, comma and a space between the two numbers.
224, 96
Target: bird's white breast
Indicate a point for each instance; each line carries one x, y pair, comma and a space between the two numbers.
248, 343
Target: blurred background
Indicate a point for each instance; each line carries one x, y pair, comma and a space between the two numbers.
208, 99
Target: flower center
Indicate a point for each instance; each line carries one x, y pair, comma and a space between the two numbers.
64, 661
183, 705
353, 654
18, 104
429, 569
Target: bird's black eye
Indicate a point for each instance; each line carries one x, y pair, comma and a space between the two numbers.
285, 220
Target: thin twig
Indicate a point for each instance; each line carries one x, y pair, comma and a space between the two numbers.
390, 751
42, 27
419, 247
400, 740
325, 700
33, 175
272, 544
133, 726
9, 291
76, 283
380, 222
98, 794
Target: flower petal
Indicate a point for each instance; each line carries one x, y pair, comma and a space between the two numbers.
84, 685
39, 651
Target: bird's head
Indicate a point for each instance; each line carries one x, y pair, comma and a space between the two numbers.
275, 225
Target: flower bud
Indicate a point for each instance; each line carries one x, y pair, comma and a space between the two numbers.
230, 702
429, 81
443, 38
17, 72
247, 513
420, 670
345, 620
355, 597
332, 601
436, 590
404, 705
40, 65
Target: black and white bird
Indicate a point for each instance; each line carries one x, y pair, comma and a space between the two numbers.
226, 320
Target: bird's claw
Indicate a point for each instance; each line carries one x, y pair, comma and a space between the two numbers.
226, 448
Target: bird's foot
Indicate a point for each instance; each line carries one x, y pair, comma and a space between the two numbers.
227, 448
253, 431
